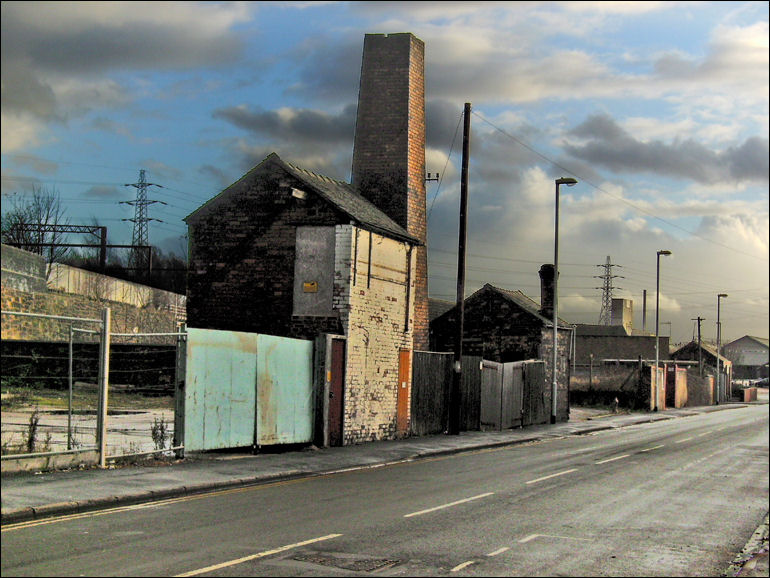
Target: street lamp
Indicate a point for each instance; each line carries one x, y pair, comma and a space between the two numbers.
719, 338
569, 181
657, 320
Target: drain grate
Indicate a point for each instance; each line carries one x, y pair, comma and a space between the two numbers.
354, 564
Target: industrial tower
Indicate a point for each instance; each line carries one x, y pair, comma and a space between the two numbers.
605, 316
141, 259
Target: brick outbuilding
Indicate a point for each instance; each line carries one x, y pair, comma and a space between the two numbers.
288, 252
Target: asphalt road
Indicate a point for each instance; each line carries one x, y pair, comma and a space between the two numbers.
670, 498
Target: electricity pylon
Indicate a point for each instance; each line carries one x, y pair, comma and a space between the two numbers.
605, 316
141, 260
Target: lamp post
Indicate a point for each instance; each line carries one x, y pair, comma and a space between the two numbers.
719, 338
657, 320
569, 181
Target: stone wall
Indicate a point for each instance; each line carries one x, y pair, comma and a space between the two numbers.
33, 296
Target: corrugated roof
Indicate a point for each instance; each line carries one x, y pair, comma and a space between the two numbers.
342, 195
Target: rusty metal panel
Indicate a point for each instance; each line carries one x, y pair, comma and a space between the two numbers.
284, 404
220, 380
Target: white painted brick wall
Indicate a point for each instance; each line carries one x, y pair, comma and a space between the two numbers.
373, 310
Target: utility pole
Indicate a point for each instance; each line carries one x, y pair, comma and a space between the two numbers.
700, 351
140, 261
454, 393
605, 316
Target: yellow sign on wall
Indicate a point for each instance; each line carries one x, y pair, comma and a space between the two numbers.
310, 287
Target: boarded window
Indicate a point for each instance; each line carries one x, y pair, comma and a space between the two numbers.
314, 271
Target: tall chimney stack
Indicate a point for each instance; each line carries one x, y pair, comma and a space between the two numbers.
389, 146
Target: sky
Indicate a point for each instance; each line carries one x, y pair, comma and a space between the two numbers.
658, 109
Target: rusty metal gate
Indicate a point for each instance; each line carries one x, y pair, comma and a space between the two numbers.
246, 390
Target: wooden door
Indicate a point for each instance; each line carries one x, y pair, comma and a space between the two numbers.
404, 389
337, 393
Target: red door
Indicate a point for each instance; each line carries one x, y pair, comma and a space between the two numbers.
404, 389
337, 392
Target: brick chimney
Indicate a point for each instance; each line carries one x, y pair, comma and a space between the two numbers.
546, 291
389, 146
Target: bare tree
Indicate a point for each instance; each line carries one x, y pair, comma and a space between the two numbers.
31, 224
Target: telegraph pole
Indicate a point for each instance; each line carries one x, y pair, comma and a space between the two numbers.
454, 393
700, 351
140, 261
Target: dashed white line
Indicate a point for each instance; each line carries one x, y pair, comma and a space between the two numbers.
551, 476
258, 555
613, 459
684, 440
448, 505
704, 434
461, 566
498, 551
533, 536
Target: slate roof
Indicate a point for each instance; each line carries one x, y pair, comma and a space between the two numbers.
344, 196
761, 340
519, 299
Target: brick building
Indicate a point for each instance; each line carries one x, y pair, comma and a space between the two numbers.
502, 325
285, 251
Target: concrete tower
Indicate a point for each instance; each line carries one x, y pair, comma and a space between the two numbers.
389, 146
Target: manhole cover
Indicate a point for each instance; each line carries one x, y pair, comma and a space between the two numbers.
354, 564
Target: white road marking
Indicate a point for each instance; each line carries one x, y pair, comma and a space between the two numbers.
704, 434
258, 555
533, 536
684, 440
448, 505
461, 566
613, 459
551, 476
499, 551
652, 448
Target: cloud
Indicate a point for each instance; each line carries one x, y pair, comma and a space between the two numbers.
56, 55
609, 145
291, 124
103, 192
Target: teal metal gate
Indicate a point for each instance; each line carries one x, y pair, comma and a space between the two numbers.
246, 390
284, 390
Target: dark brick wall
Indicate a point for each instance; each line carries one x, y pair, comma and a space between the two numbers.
389, 149
242, 248
618, 347
494, 328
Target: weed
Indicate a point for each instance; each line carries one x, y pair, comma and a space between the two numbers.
31, 433
159, 432
10, 447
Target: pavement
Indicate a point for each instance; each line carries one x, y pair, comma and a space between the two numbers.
30, 496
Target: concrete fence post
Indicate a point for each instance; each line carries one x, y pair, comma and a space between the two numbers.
104, 380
